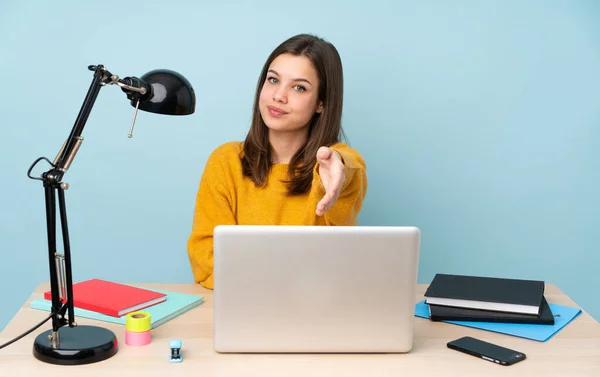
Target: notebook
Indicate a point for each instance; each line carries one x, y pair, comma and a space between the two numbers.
486, 293
440, 313
175, 304
562, 316
110, 298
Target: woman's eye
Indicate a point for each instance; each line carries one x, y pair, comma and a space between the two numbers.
300, 88
272, 80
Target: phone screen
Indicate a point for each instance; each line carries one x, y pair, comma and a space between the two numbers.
488, 351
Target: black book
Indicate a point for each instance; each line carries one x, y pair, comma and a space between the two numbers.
486, 293
448, 313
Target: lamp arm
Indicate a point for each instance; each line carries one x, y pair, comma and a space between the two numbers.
61, 282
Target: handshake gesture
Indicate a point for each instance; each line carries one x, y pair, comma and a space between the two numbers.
331, 170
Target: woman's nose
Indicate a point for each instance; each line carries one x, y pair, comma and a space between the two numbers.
279, 95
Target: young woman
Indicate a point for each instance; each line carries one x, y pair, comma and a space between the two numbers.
292, 169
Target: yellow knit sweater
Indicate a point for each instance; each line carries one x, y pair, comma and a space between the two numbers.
226, 197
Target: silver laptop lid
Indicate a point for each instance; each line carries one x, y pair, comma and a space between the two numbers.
314, 288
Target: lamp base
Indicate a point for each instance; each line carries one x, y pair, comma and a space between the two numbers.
77, 345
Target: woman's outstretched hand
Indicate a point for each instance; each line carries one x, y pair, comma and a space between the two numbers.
331, 170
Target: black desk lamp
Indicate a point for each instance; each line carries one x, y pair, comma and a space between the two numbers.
158, 91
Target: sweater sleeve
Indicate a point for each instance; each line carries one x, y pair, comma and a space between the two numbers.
346, 208
214, 206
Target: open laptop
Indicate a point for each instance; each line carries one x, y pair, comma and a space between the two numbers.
334, 289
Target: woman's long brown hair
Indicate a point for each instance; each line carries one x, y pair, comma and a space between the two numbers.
325, 128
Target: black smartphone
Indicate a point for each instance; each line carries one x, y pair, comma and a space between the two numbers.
487, 351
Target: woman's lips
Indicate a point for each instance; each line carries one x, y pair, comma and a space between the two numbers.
275, 111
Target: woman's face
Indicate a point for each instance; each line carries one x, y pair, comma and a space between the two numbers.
289, 96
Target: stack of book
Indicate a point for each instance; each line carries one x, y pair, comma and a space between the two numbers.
111, 302
487, 299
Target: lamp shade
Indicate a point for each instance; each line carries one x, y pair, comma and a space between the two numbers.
170, 93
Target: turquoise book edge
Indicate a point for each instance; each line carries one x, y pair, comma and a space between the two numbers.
175, 305
563, 315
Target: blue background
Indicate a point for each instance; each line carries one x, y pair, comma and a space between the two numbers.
479, 122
